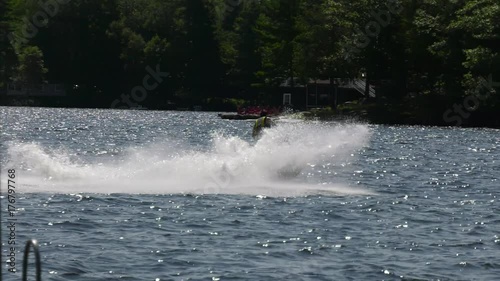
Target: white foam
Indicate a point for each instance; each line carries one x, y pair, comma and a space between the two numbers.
230, 166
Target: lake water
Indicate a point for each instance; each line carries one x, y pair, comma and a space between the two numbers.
151, 195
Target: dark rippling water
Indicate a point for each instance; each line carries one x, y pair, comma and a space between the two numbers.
141, 195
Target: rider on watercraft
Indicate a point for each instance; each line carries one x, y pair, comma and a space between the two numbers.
262, 122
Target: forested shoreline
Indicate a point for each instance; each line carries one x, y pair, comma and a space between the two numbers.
439, 61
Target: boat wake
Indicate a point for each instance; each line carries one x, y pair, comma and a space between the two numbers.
281, 163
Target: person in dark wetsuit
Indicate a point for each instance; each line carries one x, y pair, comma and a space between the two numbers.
261, 123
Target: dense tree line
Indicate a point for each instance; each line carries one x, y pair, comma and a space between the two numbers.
435, 50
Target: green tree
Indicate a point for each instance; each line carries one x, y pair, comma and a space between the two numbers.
278, 30
204, 68
7, 54
31, 69
238, 44
479, 23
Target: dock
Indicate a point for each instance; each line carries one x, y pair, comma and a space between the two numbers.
233, 116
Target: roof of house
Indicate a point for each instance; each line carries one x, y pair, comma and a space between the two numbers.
297, 83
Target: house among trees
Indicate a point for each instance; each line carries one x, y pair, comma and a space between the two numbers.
320, 93
35, 90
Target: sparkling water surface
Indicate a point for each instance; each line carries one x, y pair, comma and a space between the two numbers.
154, 195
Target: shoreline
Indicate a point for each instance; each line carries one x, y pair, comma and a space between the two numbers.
314, 114
404, 114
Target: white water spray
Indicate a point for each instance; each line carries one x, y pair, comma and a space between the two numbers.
230, 166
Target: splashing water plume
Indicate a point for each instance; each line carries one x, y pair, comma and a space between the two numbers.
275, 165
